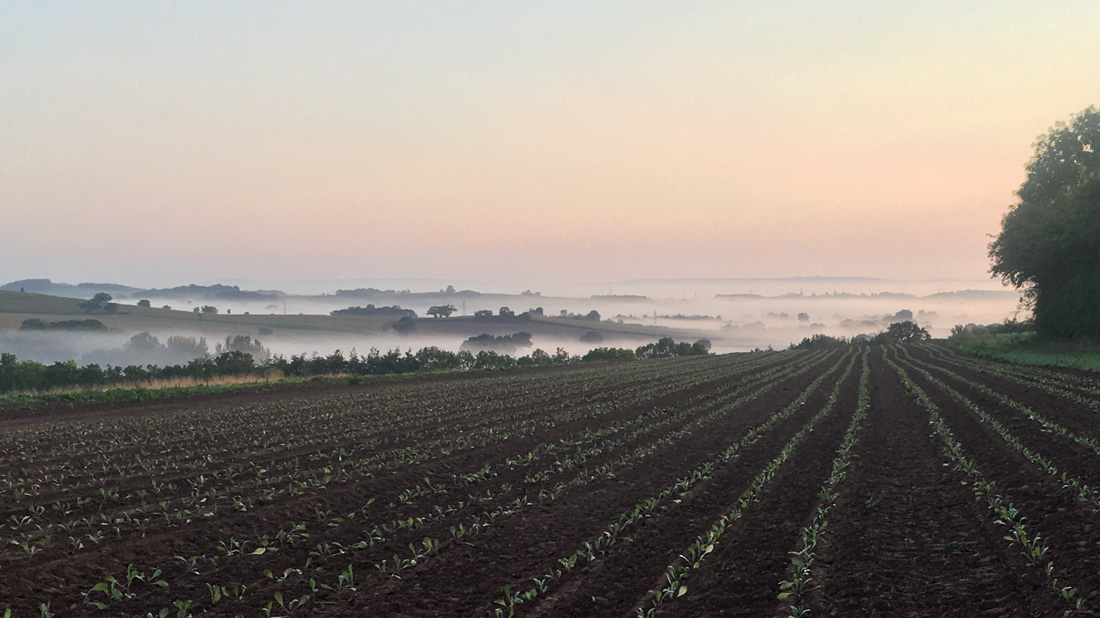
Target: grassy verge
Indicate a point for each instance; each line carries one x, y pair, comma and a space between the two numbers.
184, 387
151, 391
1026, 348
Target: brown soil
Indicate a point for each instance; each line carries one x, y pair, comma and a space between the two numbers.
906, 537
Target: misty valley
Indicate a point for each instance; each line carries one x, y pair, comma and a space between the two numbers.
49, 322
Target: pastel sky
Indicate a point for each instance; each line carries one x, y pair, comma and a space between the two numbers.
157, 143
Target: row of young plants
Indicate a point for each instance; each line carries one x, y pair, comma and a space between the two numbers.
476, 520
1003, 513
397, 565
342, 453
206, 503
28, 519
1047, 424
1072, 483
151, 437
600, 543
236, 549
691, 559
1082, 389
794, 590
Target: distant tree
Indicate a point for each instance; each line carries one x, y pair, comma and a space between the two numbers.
802, 317
209, 309
902, 332
592, 337
503, 344
234, 363
1050, 239
593, 316
75, 325
405, 325
143, 343
904, 315
370, 310
820, 342
609, 354
442, 311
666, 347
186, 348
99, 302
144, 303
505, 312
539, 358
245, 344
483, 313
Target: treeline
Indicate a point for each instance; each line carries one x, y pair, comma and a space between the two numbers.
68, 325
370, 310
16, 375
503, 344
961, 331
898, 332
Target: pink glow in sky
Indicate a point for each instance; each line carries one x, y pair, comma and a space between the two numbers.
159, 144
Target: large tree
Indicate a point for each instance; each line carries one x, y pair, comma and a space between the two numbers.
1049, 245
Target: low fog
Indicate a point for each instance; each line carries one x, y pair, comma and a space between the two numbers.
735, 315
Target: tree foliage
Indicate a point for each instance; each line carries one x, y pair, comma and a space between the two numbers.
1049, 245
903, 332
441, 311
666, 347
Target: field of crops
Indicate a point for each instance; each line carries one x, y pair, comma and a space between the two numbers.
875, 481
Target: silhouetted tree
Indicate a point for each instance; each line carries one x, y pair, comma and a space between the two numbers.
405, 325
902, 332
1050, 239
591, 337
442, 311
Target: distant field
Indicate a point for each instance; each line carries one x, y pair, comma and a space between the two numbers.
15, 307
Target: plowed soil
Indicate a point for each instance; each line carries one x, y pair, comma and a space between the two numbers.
565, 493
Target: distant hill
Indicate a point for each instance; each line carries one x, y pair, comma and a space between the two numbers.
210, 292
182, 292
67, 290
975, 294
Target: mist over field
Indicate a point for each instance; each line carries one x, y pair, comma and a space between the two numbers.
734, 314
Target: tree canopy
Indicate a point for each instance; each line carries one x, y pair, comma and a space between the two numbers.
1049, 245
442, 311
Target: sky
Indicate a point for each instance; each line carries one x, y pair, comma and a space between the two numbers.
157, 144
